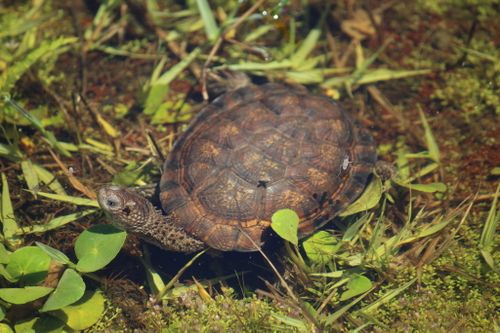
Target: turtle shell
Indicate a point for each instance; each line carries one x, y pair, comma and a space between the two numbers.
259, 149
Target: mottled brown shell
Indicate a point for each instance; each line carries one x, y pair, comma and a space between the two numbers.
259, 149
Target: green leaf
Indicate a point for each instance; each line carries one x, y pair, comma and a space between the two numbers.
48, 179
306, 47
387, 297
333, 275
23, 295
6, 275
374, 75
430, 140
427, 188
285, 222
174, 71
2, 314
30, 174
4, 328
48, 48
7, 216
156, 95
357, 285
321, 246
83, 314
69, 290
98, 246
49, 135
74, 200
487, 240
211, 28
54, 254
369, 199
45, 324
4, 254
29, 265
353, 230
56, 222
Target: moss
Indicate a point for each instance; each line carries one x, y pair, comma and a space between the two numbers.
481, 9
456, 292
225, 313
473, 89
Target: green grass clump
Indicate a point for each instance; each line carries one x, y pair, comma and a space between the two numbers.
457, 293
475, 88
481, 9
224, 313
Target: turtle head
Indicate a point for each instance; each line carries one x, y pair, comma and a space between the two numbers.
125, 208
133, 212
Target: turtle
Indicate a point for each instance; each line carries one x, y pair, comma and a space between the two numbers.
252, 151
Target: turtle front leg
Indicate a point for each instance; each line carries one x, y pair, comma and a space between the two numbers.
131, 211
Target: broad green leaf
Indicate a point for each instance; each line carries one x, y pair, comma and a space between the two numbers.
2, 314
98, 246
4, 254
45, 324
83, 314
54, 254
30, 174
74, 200
369, 199
211, 28
56, 222
321, 246
357, 285
69, 290
4, 328
7, 216
23, 295
29, 265
285, 223
5, 274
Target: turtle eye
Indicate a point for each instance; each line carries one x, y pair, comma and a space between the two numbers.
111, 203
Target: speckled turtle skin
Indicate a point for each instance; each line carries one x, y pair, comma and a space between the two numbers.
259, 149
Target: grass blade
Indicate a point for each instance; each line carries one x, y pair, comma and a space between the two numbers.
55, 222
430, 140
73, 200
10, 227
487, 240
48, 179
306, 47
49, 136
30, 174
387, 297
211, 28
